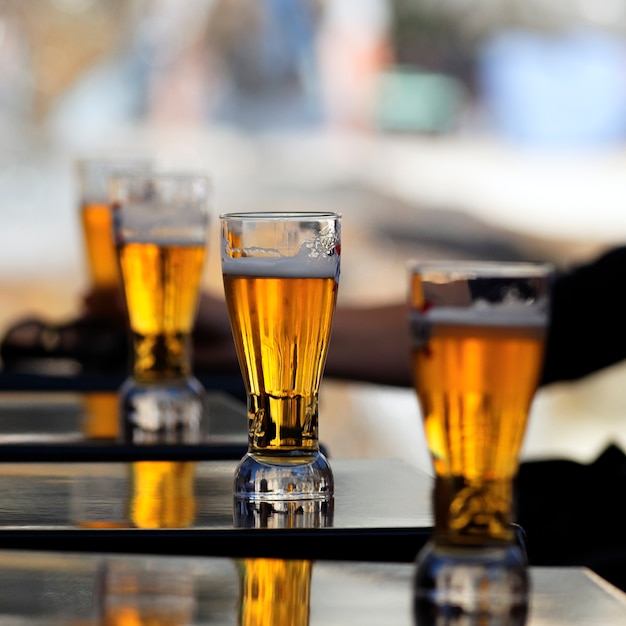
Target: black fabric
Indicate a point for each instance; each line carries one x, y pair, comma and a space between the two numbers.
588, 326
575, 514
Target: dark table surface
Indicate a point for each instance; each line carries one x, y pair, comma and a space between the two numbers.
381, 511
54, 588
47, 379
81, 426
64, 490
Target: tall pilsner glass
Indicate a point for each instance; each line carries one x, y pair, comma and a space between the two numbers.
105, 285
281, 273
93, 176
478, 331
160, 224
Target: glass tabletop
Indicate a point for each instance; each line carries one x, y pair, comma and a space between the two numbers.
65, 426
70, 589
381, 510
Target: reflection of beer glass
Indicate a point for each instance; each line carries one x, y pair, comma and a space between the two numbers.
100, 420
162, 494
281, 272
275, 592
160, 224
95, 212
478, 334
146, 590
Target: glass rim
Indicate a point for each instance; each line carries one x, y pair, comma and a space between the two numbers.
481, 268
263, 216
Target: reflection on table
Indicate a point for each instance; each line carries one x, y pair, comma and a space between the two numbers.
83, 426
95, 589
159, 494
162, 494
381, 511
275, 592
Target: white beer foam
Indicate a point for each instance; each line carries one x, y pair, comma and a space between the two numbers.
163, 224
300, 266
495, 315
193, 236
164, 242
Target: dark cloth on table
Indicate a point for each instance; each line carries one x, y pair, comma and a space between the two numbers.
574, 513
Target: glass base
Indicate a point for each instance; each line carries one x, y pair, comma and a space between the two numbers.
473, 585
170, 412
284, 513
285, 476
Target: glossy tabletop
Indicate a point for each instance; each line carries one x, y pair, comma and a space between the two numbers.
66, 484
88, 589
64, 426
380, 511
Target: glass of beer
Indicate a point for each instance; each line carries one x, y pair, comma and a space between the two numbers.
161, 225
105, 286
478, 333
93, 176
281, 274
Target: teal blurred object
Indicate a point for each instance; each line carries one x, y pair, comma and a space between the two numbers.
412, 101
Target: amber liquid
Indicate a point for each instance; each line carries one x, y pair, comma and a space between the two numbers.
275, 592
475, 385
281, 328
101, 415
101, 254
161, 283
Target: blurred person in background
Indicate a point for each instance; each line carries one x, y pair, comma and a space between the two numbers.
584, 335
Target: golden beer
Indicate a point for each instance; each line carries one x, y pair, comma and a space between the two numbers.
92, 178
475, 384
281, 327
100, 420
98, 235
478, 334
161, 282
478, 344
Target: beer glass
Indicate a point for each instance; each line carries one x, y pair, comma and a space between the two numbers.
281, 273
93, 176
160, 225
478, 332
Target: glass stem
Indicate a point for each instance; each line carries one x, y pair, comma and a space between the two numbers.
473, 512
162, 356
282, 423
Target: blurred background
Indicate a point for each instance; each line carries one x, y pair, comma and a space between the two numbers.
466, 128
